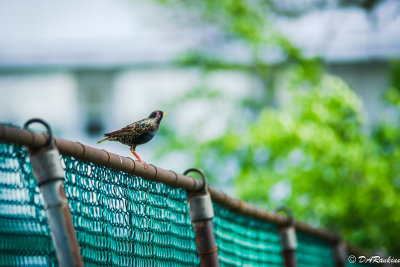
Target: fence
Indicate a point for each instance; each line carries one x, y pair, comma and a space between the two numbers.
125, 215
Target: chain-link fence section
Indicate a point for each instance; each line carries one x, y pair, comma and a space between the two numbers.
124, 220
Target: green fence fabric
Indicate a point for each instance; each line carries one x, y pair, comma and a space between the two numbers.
124, 220
313, 252
120, 219
24, 234
243, 241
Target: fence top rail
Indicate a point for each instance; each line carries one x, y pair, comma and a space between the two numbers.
12, 134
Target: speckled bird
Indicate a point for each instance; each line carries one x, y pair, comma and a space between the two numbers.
137, 133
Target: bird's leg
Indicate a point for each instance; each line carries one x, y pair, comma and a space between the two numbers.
139, 159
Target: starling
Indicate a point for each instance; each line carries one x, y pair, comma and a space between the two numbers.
137, 133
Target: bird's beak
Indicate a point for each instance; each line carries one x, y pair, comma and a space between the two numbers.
164, 114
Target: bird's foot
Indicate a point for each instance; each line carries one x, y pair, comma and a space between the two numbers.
139, 159
144, 164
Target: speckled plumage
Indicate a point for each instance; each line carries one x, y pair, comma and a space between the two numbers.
137, 133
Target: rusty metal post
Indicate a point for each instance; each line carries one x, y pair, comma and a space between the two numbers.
49, 174
201, 212
288, 239
340, 253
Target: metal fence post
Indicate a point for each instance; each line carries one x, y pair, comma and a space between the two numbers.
201, 212
340, 253
49, 174
288, 239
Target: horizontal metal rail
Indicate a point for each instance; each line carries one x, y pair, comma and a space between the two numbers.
12, 134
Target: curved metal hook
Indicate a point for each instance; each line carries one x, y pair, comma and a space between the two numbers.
288, 211
202, 174
45, 124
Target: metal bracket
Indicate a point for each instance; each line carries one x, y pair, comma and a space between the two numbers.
288, 238
287, 232
200, 204
46, 164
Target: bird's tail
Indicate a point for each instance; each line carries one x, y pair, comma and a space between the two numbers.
104, 140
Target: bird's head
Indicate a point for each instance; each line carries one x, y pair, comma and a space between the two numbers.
158, 114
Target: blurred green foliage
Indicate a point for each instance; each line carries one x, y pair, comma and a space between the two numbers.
338, 175
314, 152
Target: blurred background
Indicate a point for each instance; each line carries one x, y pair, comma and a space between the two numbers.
280, 102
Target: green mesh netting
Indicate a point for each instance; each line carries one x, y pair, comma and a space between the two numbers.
24, 234
243, 241
313, 251
124, 220
120, 219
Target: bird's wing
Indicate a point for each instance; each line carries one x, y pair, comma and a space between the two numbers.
136, 128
